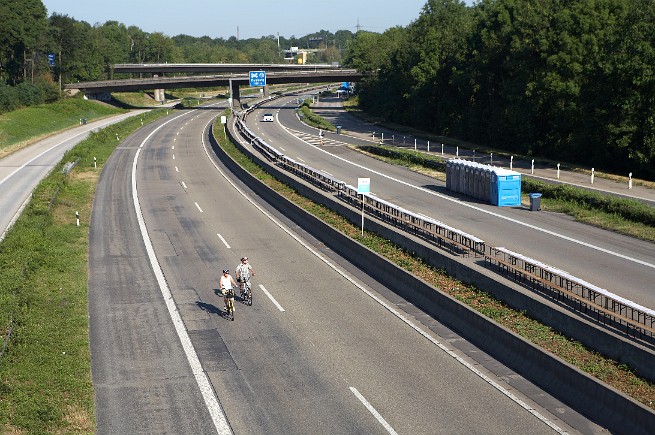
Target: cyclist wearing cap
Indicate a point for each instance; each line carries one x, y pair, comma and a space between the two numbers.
227, 285
243, 271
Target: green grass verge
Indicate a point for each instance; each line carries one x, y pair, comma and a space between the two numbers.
607, 370
45, 379
625, 216
31, 123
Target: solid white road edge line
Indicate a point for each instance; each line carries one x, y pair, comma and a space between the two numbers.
15, 217
373, 411
389, 308
211, 401
270, 296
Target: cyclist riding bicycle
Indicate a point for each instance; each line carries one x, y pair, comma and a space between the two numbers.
227, 285
243, 272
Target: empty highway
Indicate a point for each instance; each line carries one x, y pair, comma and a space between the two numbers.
323, 349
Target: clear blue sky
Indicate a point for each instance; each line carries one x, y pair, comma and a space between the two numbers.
254, 18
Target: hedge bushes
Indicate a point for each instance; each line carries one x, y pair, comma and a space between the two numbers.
407, 156
26, 94
312, 119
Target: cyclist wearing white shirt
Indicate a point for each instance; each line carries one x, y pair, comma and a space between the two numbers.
227, 284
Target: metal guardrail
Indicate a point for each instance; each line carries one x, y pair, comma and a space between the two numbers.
418, 224
314, 176
607, 308
585, 297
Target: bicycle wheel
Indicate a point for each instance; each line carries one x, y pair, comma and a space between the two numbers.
231, 302
249, 295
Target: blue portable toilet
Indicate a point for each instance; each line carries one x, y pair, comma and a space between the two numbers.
497, 186
505, 187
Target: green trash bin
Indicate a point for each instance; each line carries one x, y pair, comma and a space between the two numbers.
535, 201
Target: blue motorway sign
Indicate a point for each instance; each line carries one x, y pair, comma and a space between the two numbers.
257, 78
51, 59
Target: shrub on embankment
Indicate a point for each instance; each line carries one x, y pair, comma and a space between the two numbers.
313, 119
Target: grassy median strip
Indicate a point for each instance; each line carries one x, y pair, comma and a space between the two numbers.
45, 366
609, 371
313, 119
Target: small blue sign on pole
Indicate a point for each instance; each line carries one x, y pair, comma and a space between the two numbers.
51, 59
257, 78
363, 185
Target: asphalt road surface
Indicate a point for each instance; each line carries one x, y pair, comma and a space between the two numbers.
323, 349
622, 265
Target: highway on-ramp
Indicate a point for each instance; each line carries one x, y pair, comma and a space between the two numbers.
323, 349
620, 264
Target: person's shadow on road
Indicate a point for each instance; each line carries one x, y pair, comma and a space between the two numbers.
211, 308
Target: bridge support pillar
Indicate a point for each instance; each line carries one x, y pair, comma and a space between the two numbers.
235, 95
266, 91
159, 95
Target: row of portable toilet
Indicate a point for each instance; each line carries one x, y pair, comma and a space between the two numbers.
491, 184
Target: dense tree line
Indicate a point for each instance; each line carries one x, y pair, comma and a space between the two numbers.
38, 52
565, 79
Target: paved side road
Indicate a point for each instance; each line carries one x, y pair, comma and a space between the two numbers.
22, 171
332, 110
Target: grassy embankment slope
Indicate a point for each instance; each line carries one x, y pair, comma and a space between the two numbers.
45, 379
25, 126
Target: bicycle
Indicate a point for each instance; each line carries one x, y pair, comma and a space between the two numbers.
229, 305
246, 291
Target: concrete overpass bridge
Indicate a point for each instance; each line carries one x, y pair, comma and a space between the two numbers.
186, 68
232, 76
